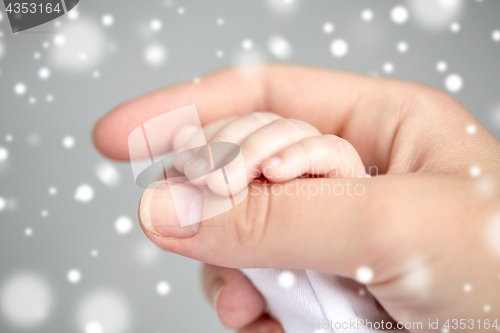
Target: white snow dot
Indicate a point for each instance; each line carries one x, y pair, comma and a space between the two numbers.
52, 190
34, 139
107, 20
475, 171
93, 327
59, 40
441, 66
147, 253
286, 279
495, 117
3, 203
492, 235
155, 54
84, 193
455, 27
163, 288
44, 73
49, 98
388, 67
454, 83
436, 14
467, 288
36, 55
83, 48
26, 300
83, 56
367, 15
20, 88
197, 80
94, 253
402, 47
364, 274
107, 174
399, 14
219, 53
45, 45
155, 25
73, 14
44, 213
96, 74
181, 11
28, 232
339, 48
328, 27
9, 138
74, 276
279, 47
220, 21
107, 309
282, 7
247, 44
487, 308
4, 154
32, 100
68, 142
123, 225
471, 129
495, 35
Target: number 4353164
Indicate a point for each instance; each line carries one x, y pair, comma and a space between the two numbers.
32, 7
462, 324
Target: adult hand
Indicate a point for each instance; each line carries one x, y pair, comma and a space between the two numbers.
425, 227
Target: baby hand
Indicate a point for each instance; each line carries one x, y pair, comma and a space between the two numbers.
279, 149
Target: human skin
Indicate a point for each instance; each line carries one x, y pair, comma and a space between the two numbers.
422, 226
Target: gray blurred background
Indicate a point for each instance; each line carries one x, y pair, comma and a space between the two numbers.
73, 258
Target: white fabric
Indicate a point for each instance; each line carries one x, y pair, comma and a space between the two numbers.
317, 302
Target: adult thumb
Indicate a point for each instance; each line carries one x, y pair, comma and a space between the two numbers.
313, 223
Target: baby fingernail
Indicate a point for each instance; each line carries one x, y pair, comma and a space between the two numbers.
200, 163
184, 156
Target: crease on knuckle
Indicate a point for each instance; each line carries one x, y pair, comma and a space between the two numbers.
306, 149
339, 145
262, 118
251, 227
293, 128
220, 137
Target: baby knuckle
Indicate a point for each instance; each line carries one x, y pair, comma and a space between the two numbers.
262, 118
250, 226
339, 145
291, 127
220, 137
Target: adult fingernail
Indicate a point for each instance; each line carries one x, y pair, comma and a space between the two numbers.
161, 217
145, 209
